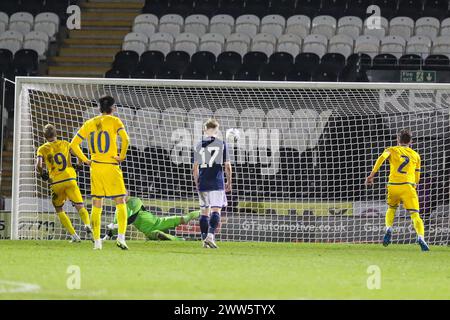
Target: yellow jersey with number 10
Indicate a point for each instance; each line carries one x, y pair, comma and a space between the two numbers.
101, 133
404, 163
56, 156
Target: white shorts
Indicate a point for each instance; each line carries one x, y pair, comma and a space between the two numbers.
213, 199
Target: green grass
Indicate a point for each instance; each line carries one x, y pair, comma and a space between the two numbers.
184, 270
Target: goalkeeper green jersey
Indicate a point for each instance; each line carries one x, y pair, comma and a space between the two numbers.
144, 221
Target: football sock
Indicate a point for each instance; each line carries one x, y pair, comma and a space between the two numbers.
65, 221
214, 222
389, 219
204, 224
122, 218
96, 221
84, 215
418, 224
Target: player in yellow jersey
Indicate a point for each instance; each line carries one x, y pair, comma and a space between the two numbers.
403, 178
106, 176
62, 178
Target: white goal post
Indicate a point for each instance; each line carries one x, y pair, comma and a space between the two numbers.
303, 152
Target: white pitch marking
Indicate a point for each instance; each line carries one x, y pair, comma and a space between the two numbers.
14, 287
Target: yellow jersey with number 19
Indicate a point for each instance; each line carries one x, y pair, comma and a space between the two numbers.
101, 133
56, 156
404, 165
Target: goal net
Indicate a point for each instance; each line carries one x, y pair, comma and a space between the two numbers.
300, 159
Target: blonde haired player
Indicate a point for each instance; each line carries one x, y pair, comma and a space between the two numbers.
62, 178
403, 179
106, 176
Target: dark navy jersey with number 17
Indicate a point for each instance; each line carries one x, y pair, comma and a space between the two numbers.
210, 154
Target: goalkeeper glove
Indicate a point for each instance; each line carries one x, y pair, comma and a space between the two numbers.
45, 176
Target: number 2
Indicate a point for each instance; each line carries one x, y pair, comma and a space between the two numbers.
404, 164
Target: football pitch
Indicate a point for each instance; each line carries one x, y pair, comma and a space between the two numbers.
184, 270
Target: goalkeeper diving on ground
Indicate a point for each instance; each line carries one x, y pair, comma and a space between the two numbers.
153, 227
62, 179
401, 188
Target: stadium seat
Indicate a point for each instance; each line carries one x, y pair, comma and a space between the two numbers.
167, 72
258, 8
197, 24
289, 43
367, 44
315, 43
324, 75
11, 40
299, 25
420, 45
222, 24
284, 8
207, 7
212, 42
4, 21
254, 60
281, 61
394, 45
388, 8
178, 61
377, 32
203, 61
277, 118
360, 60
264, 42
247, 24
410, 8
245, 74
437, 60
384, 61
171, 23
445, 27
298, 75
187, 42
238, 42
333, 62
194, 74
436, 8
410, 61
152, 61
357, 8
141, 73
270, 73
334, 8
307, 62
126, 60
428, 27
252, 118
146, 23
114, 73
309, 8
156, 7
135, 41
161, 42
351, 26
218, 74
22, 22
47, 22
273, 24
342, 44
233, 8
229, 60
181, 7
324, 25
37, 41
401, 26
6, 58
441, 45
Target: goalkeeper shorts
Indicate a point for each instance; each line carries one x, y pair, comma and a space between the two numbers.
107, 181
213, 199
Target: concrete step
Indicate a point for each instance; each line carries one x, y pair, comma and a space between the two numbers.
82, 42
112, 6
77, 71
117, 24
114, 15
98, 34
89, 52
81, 60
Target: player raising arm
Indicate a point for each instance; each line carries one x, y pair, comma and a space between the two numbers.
153, 227
210, 155
106, 175
403, 178
62, 179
